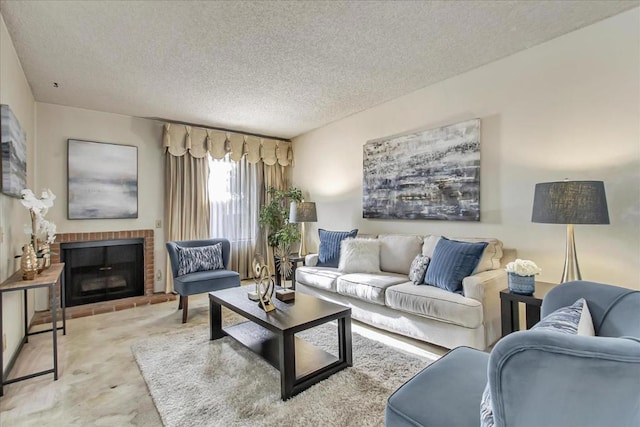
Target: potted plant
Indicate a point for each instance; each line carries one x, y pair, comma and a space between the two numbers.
281, 234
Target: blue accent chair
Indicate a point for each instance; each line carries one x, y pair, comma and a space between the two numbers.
200, 281
538, 377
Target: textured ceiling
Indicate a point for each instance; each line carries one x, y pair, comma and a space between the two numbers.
273, 68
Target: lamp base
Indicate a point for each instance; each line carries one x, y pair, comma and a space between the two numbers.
303, 246
571, 269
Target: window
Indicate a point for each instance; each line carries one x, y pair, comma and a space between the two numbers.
234, 192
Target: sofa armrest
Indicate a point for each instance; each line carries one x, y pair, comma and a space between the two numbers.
545, 378
485, 287
488, 282
311, 260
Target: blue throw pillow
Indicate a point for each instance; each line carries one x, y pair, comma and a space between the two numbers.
329, 251
566, 319
451, 262
199, 258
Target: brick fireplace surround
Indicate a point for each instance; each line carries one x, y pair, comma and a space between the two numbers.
114, 305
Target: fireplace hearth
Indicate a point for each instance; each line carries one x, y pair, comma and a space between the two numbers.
103, 270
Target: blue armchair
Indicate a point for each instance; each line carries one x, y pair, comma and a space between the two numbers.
538, 377
200, 281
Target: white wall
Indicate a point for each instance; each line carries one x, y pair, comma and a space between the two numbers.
55, 124
569, 108
15, 92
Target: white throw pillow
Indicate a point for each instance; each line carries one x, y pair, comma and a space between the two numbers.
359, 256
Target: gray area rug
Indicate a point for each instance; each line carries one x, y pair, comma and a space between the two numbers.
197, 382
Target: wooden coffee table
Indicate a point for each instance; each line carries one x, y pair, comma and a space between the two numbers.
271, 335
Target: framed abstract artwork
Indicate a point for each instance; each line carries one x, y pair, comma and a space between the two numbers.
430, 174
13, 144
102, 180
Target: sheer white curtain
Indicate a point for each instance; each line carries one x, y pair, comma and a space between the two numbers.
235, 192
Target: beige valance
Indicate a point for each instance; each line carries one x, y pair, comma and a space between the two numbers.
178, 139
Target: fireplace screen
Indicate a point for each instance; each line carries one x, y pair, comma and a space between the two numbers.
103, 270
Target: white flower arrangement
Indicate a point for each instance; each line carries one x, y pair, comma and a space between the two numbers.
38, 208
523, 267
48, 228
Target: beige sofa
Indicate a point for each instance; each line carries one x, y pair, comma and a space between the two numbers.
389, 301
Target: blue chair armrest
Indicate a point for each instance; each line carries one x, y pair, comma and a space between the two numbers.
600, 298
547, 378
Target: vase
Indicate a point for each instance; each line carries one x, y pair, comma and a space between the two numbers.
524, 285
29, 263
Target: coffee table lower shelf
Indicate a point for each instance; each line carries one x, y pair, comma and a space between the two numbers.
309, 359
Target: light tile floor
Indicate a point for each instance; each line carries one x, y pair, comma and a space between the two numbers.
99, 382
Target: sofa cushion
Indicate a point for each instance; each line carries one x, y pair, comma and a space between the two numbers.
397, 252
359, 256
451, 262
318, 277
206, 281
435, 303
491, 257
329, 250
368, 287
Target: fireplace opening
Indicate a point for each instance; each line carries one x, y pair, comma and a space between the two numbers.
102, 270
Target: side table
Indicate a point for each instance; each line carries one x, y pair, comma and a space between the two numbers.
48, 278
509, 307
295, 260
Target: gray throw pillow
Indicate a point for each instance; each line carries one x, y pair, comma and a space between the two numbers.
200, 258
418, 268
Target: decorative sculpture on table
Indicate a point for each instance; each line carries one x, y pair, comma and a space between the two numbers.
264, 285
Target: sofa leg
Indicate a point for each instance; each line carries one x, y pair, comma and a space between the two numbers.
180, 303
185, 307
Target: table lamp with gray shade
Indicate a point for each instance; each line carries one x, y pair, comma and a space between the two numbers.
570, 202
302, 212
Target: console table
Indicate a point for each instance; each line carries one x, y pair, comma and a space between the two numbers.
48, 278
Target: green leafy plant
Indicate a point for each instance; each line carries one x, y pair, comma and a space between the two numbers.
274, 217
281, 234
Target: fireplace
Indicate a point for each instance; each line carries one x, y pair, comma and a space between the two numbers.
103, 270
147, 236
